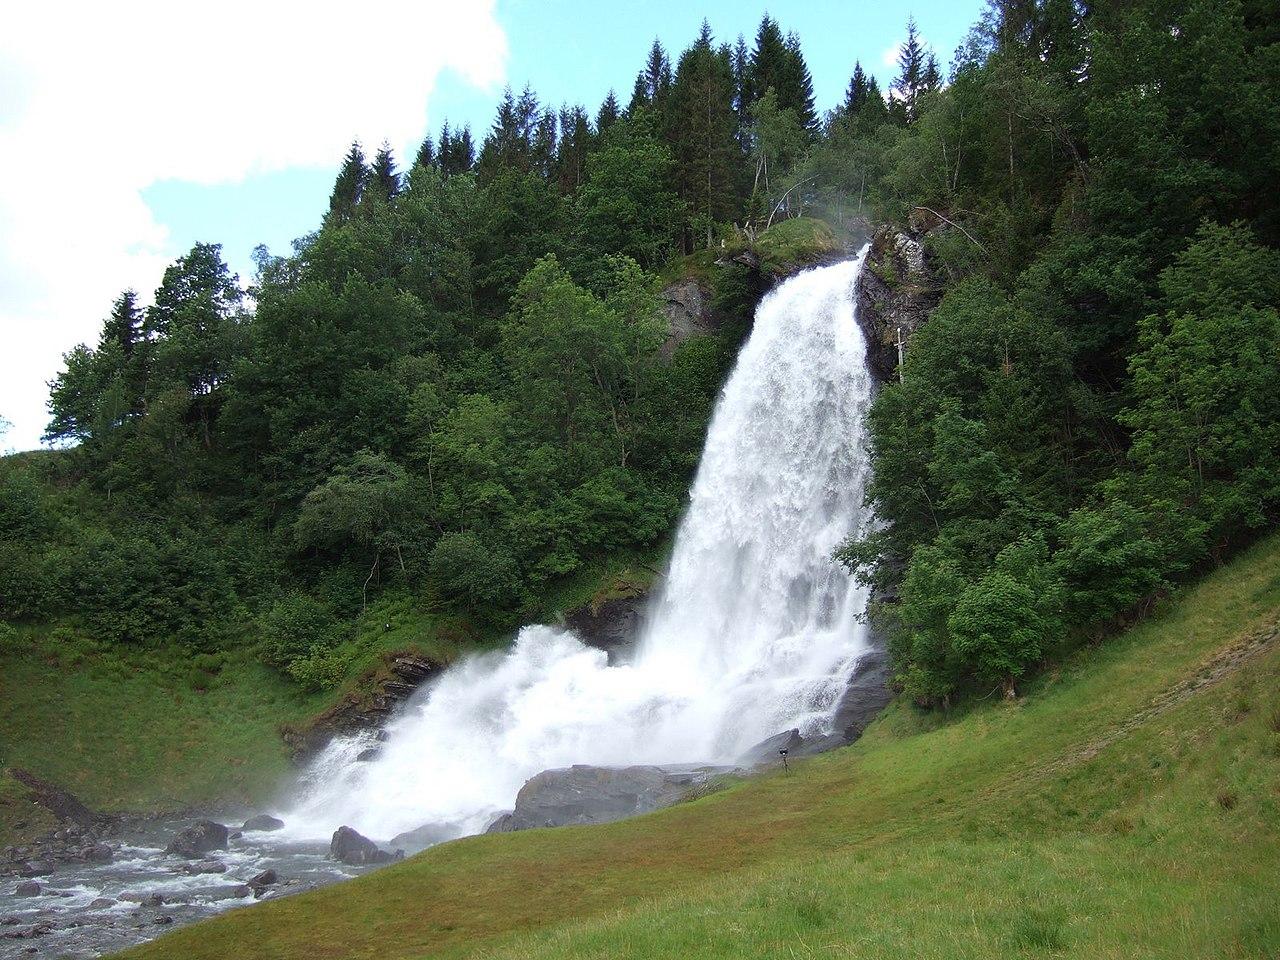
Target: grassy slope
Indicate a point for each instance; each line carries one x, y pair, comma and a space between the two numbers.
1128, 806
124, 730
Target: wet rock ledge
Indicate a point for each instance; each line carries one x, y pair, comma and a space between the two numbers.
368, 707
896, 292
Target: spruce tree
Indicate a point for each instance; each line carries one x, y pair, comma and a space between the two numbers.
657, 74
349, 187
123, 327
912, 72
521, 137
741, 91
704, 126
384, 176
932, 80
426, 154
572, 149
768, 62
455, 154
639, 95
608, 114
463, 157
796, 90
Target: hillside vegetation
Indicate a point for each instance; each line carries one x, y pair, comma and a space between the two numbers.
1128, 805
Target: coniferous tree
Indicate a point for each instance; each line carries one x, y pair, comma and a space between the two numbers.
704, 123
573, 147
608, 114
519, 138
639, 95
776, 61
932, 81
349, 186
124, 327
859, 88
741, 91
426, 154
455, 153
383, 175
657, 74
463, 157
913, 73
796, 92
544, 148
768, 60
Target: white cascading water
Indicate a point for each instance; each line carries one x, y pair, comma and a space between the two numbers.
755, 630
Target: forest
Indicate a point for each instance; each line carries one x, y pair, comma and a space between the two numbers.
458, 391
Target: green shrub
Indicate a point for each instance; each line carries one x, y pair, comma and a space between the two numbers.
293, 628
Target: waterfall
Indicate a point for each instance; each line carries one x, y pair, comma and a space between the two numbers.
755, 629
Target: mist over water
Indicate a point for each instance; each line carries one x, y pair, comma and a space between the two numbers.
754, 629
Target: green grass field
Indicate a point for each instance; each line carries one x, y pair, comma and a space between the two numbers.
1127, 806
126, 730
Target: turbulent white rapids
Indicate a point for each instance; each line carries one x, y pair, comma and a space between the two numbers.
755, 629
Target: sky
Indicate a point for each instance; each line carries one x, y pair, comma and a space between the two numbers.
131, 130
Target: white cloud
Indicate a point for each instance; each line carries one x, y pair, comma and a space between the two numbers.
100, 100
891, 54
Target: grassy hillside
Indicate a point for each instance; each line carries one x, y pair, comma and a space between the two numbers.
1128, 805
127, 729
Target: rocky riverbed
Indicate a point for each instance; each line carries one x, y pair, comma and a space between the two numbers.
90, 891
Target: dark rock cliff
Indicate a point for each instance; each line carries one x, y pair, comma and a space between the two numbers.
896, 292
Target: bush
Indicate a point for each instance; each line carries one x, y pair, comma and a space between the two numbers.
475, 574
295, 627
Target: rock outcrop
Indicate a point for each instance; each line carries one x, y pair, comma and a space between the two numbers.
611, 625
896, 292
263, 822
866, 694
687, 306
202, 837
368, 708
584, 794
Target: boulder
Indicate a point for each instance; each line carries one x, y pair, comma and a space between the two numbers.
144, 899
769, 750
35, 868
28, 888
348, 846
204, 867
102, 903
198, 839
418, 839
98, 853
584, 794
367, 754
264, 879
263, 822
215, 894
